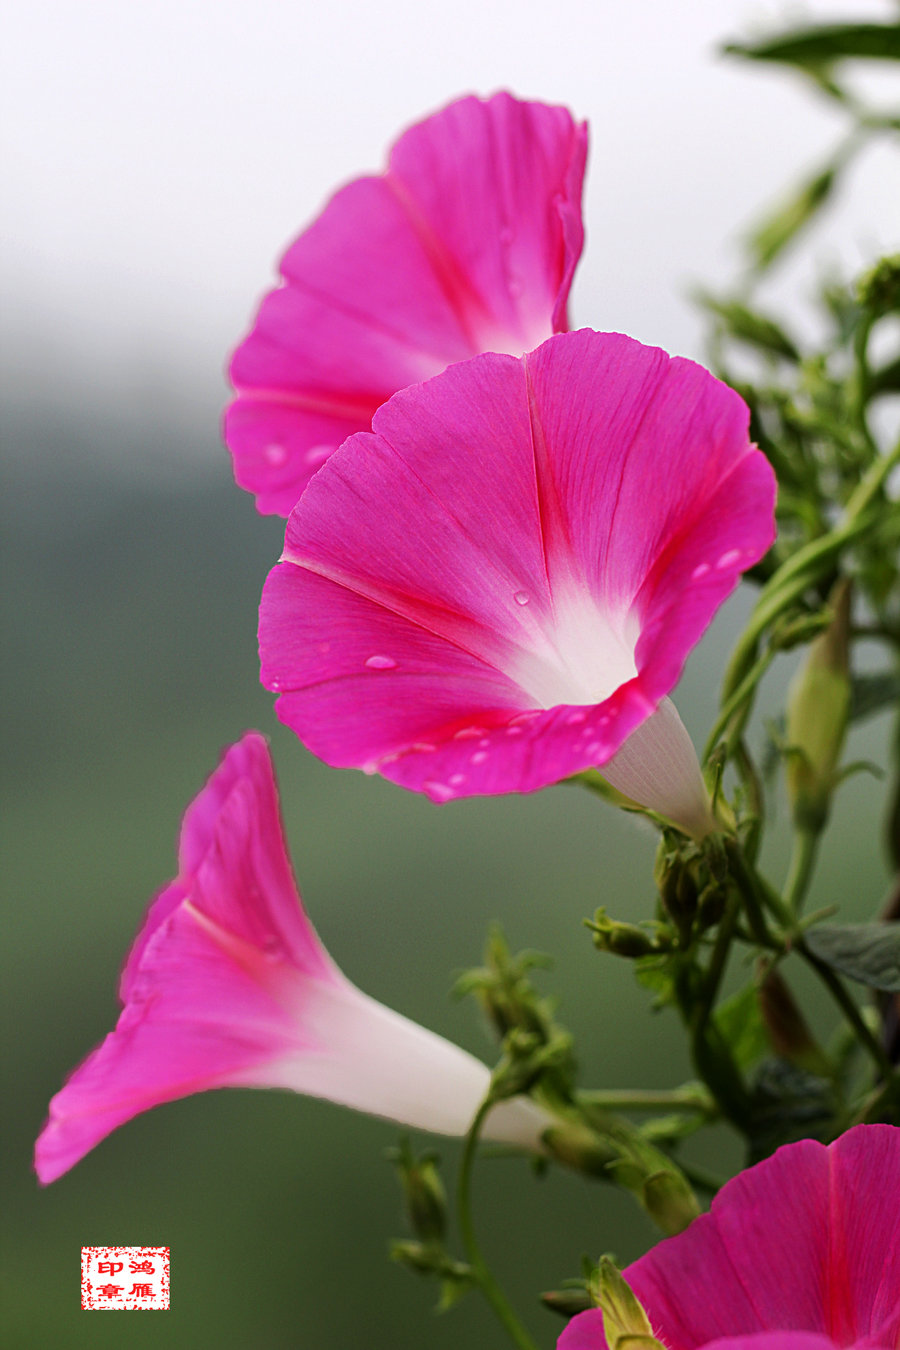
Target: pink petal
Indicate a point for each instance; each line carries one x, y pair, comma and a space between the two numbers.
228, 985
498, 586
776, 1247
467, 243
585, 1332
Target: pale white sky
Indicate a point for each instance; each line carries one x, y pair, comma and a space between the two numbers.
158, 157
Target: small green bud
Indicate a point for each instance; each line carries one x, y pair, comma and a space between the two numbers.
577, 1146
423, 1191
625, 1324
622, 939
669, 1201
567, 1302
817, 712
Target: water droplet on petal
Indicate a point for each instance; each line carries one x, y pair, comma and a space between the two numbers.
381, 663
513, 731
700, 571
479, 756
521, 718
468, 733
438, 792
595, 747
485, 743
424, 747
521, 597
456, 779
318, 455
275, 454
729, 558
574, 718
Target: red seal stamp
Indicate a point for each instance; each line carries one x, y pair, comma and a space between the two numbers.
124, 1279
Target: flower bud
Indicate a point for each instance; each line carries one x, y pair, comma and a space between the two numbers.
625, 1323
623, 939
423, 1190
817, 713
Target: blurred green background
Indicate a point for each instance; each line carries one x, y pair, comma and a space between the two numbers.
130, 662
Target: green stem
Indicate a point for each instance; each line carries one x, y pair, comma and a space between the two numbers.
803, 859
488, 1285
850, 1010
693, 1099
742, 693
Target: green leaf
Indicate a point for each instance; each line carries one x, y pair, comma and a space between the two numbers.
868, 952
741, 1026
747, 325
774, 234
813, 47
870, 693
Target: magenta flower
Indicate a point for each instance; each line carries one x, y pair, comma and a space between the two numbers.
227, 985
499, 587
466, 243
800, 1252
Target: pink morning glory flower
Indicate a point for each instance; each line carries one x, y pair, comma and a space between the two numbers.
466, 243
498, 586
800, 1252
227, 985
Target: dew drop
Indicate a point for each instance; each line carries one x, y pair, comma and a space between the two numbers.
513, 731
381, 663
438, 792
522, 718
700, 571
468, 733
318, 455
729, 558
484, 743
521, 597
456, 779
595, 747
424, 747
275, 454
574, 718
479, 756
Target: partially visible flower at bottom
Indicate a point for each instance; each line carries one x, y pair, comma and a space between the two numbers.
800, 1252
227, 985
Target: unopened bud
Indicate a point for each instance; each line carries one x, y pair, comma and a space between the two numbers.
625, 1324
623, 939
817, 712
423, 1191
669, 1201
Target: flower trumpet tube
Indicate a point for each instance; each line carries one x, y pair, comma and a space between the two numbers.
467, 242
498, 587
800, 1252
227, 985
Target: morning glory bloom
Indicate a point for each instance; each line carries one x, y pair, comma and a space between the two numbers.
800, 1252
227, 985
466, 243
499, 585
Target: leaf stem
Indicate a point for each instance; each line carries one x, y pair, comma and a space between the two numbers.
486, 1282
